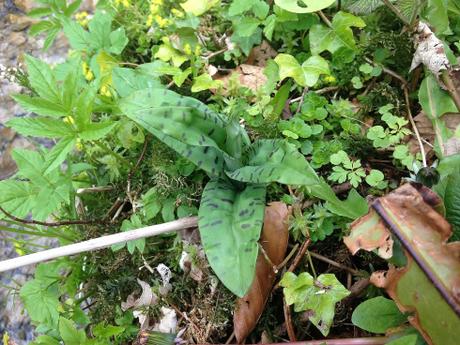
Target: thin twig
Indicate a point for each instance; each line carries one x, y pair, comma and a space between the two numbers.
210, 56
94, 189
388, 71
414, 126
287, 258
334, 263
299, 255
299, 106
136, 166
325, 19
318, 92
288, 321
62, 223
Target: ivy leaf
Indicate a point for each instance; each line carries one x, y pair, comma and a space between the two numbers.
230, 222
309, 6
306, 74
240, 6
339, 35
318, 296
377, 315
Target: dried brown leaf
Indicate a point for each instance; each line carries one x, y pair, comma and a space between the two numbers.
428, 287
261, 54
274, 241
249, 76
369, 233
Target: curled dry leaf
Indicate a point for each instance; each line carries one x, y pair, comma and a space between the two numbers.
428, 287
274, 241
426, 130
249, 76
369, 232
146, 299
430, 51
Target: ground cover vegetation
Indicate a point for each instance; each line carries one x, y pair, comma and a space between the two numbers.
276, 123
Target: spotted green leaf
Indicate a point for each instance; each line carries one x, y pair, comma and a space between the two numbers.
185, 124
230, 221
275, 161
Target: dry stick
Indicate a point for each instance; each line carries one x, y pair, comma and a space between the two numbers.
288, 321
98, 243
346, 341
414, 126
66, 222
334, 263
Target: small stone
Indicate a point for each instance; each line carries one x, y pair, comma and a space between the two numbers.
17, 38
24, 5
18, 22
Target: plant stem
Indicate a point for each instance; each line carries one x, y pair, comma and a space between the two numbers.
288, 321
414, 126
98, 243
454, 93
325, 19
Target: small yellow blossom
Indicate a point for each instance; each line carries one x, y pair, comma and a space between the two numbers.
188, 49
157, 2
125, 3
79, 145
162, 22
197, 50
6, 338
87, 72
105, 91
330, 79
82, 18
154, 9
149, 21
177, 13
18, 249
69, 120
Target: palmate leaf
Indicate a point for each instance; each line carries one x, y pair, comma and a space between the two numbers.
230, 222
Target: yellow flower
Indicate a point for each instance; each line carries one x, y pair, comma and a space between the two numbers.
6, 338
69, 120
162, 22
87, 72
197, 50
79, 145
82, 18
177, 13
154, 9
125, 3
188, 49
157, 2
330, 79
149, 21
105, 91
